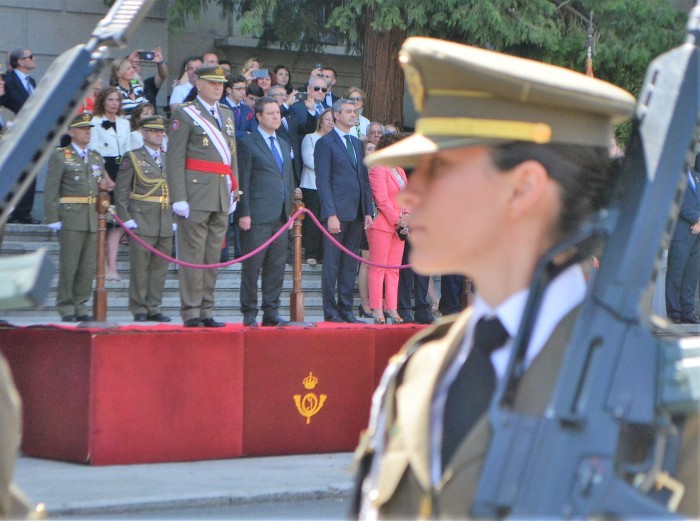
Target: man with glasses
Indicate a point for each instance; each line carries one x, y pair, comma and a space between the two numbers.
142, 201
181, 91
19, 85
242, 114
291, 127
307, 111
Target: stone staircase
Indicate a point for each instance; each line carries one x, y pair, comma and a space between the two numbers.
20, 239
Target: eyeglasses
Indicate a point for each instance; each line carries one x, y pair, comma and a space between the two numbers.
238, 88
356, 98
30, 57
322, 89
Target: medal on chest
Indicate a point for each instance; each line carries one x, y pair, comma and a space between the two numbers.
205, 141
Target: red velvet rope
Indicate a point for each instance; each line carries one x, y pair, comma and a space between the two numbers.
264, 245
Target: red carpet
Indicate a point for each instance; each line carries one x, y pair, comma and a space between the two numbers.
162, 393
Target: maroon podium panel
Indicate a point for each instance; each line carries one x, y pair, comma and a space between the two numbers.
306, 391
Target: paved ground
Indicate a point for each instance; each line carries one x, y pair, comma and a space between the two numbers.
69, 488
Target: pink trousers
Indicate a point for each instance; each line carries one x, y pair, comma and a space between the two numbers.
385, 248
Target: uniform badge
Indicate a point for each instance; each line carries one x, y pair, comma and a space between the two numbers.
205, 141
96, 171
230, 130
174, 125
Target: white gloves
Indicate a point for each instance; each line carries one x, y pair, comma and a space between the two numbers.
231, 203
181, 208
54, 226
130, 224
174, 227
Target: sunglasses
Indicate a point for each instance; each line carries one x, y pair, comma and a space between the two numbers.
30, 57
357, 98
322, 89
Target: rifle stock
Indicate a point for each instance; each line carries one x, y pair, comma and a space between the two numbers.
617, 381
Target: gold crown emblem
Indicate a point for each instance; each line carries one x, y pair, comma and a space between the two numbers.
310, 381
219, 70
160, 121
87, 117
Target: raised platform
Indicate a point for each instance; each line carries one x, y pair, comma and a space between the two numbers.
166, 393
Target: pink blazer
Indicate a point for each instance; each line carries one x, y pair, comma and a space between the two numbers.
385, 188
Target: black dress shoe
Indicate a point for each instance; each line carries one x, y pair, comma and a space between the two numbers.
690, 320
250, 322
140, 317
334, 319
68, 318
22, 219
158, 317
193, 322
274, 321
212, 322
352, 319
423, 319
675, 319
84, 318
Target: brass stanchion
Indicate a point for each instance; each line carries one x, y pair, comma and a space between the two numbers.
296, 297
99, 311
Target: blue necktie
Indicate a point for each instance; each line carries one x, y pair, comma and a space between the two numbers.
275, 153
237, 114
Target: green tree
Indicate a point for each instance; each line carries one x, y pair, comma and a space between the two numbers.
627, 34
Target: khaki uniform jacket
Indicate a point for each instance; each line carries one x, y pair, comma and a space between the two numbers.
404, 485
13, 504
187, 140
154, 219
69, 176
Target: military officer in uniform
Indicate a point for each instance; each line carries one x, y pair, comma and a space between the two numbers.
72, 184
202, 178
142, 201
510, 157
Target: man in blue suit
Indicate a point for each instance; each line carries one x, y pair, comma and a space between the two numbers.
243, 118
267, 181
683, 267
19, 85
346, 206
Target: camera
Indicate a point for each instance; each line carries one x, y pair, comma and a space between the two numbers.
146, 55
318, 66
260, 73
302, 96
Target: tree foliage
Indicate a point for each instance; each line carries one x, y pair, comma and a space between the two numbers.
627, 33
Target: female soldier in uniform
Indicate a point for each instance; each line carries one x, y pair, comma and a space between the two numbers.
510, 157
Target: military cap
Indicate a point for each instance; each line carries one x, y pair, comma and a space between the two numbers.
81, 120
468, 96
153, 123
216, 74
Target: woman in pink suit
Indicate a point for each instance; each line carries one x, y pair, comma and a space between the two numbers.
385, 245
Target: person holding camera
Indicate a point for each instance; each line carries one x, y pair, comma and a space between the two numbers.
386, 236
152, 84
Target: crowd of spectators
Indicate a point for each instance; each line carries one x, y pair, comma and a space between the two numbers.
307, 114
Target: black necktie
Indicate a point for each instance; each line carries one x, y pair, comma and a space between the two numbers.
213, 115
350, 150
469, 395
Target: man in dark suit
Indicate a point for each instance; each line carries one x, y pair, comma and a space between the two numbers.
19, 85
331, 77
312, 106
291, 127
265, 173
346, 206
243, 117
683, 267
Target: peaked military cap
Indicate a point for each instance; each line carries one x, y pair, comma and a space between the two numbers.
468, 96
216, 74
153, 123
81, 120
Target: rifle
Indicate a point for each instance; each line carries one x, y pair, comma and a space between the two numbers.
38, 125
610, 435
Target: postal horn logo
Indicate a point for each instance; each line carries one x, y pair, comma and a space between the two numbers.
309, 404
